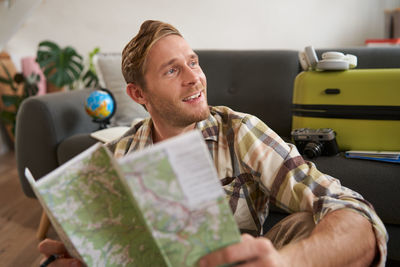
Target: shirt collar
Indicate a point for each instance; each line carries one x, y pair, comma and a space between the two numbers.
144, 133
209, 128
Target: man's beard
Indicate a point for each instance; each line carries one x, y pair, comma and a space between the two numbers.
182, 120
176, 116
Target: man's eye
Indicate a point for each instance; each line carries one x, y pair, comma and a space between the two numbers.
193, 63
171, 71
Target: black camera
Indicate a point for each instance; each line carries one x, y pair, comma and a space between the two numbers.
315, 142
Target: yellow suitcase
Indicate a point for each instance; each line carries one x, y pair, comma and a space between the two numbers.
362, 106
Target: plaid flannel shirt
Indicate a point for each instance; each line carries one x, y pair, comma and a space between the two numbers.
257, 168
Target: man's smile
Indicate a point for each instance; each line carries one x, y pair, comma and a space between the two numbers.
197, 95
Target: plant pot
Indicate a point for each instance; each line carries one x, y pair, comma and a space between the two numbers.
51, 88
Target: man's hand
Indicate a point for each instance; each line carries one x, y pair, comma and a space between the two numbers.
49, 247
341, 238
249, 252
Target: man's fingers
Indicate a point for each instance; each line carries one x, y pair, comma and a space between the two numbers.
49, 247
246, 237
63, 262
248, 249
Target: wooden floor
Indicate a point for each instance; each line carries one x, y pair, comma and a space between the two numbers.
19, 219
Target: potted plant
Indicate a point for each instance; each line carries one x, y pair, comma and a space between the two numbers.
12, 102
90, 79
61, 66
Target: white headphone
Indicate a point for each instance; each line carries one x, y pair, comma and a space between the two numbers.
330, 60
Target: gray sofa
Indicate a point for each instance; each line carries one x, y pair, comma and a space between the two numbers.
54, 127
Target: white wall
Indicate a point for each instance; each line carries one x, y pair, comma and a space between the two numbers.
206, 24
12, 15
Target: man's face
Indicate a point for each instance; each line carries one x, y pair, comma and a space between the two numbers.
175, 84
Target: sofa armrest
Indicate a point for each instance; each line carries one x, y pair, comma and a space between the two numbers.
42, 123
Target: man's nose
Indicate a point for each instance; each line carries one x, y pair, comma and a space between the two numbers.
191, 76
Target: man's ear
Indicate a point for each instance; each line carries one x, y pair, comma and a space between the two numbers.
136, 93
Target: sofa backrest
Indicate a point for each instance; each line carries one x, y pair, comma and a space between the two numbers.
259, 82
255, 82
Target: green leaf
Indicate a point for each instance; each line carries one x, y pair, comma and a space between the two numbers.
8, 117
4, 80
10, 81
46, 61
48, 70
90, 79
87, 75
13, 127
10, 100
60, 66
57, 79
31, 90
72, 52
76, 71
95, 51
77, 63
6, 71
68, 76
48, 45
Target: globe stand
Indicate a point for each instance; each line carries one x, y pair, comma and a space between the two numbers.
103, 124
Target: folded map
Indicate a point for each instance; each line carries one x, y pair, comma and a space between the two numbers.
162, 206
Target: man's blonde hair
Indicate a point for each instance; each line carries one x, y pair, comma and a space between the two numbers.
134, 55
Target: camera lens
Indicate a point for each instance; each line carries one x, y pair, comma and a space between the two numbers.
313, 150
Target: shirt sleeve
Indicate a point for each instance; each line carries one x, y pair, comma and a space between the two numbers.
294, 184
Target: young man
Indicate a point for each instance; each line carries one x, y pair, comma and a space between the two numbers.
330, 225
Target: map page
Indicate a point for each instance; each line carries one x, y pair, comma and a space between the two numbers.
93, 215
175, 185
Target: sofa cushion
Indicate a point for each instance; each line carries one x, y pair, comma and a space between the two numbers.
108, 69
377, 182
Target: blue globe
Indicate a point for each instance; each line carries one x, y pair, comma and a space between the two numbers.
100, 105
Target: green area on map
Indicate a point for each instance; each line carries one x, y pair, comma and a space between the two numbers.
184, 233
95, 211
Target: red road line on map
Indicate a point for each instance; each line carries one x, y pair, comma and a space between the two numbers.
188, 213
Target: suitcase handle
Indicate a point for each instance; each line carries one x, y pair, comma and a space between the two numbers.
332, 91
